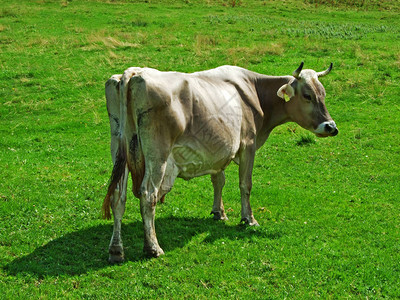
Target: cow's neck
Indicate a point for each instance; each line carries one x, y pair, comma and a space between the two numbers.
273, 106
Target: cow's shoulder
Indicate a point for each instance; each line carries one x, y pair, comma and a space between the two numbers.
243, 81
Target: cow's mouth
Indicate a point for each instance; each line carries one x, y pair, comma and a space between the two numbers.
324, 135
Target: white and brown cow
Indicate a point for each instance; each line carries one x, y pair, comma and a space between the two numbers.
168, 124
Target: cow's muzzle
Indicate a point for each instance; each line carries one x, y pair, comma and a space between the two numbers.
326, 129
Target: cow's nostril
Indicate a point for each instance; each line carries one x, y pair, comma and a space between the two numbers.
328, 128
331, 129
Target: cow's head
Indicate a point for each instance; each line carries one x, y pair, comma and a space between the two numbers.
306, 105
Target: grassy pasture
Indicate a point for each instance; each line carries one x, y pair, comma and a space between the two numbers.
328, 208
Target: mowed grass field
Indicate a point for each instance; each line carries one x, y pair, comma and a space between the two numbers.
328, 209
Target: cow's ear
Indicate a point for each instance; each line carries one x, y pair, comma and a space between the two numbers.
286, 89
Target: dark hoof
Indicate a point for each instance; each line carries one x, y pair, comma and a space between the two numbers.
153, 252
116, 255
115, 259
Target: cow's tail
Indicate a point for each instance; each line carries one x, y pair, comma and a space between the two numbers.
136, 164
116, 175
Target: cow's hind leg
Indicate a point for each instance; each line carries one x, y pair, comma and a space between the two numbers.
118, 200
151, 189
149, 195
218, 181
158, 128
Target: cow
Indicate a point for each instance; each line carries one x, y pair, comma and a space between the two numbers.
166, 125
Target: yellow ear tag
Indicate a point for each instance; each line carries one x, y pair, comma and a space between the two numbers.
287, 98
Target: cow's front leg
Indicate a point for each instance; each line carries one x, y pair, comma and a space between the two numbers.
118, 200
245, 183
218, 181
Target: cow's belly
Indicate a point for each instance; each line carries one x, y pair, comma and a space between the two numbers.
207, 151
193, 162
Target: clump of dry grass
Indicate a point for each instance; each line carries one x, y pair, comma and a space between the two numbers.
232, 3
110, 41
204, 43
243, 55
360, 4
3, 28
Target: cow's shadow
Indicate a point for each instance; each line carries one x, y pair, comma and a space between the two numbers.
82, 251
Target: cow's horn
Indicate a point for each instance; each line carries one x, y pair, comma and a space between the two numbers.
296, 73
326, 72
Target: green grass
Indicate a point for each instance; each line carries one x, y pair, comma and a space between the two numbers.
328, 208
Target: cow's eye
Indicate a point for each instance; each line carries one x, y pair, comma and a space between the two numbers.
307, 96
